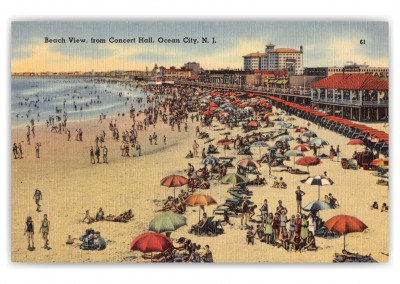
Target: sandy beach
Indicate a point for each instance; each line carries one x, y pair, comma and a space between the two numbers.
71, 185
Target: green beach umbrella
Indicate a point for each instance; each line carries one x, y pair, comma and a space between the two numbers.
234, 179
167, 222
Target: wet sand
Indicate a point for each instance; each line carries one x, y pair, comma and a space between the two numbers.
70, 185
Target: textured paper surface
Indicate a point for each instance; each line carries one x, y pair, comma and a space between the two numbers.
105, 67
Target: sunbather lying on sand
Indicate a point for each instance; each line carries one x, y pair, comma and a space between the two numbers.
124, 217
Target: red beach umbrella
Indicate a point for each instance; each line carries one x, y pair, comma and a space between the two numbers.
303, 147
151, 242
253, 124
345, 224
174, 181
355, 142
302, 129
224, 142
308, 161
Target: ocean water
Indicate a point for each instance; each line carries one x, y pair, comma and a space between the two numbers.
38, 98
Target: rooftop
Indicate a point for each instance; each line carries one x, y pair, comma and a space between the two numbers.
255, 54
284, 50
343, 81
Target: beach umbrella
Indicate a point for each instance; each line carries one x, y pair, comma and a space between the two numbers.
224, 142
301, 129
317, 206
151, 242
208, 113
210, 160
167, 222
246, 163
284, 138
268, 115
253, 124
379, 162
355, 142
260, 144
318, 180
308, 161
174, 181
294, 154
200, 200
309, 134
234, 179
303, 147
345, 224
319, 142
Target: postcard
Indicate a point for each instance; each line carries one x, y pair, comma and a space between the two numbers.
198, 142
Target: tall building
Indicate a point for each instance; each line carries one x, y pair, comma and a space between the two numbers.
194, 66
254, 61
276, 59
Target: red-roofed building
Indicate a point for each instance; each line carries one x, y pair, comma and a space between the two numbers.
174, 73
352, 96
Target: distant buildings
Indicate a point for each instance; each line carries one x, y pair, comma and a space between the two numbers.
380, 72
193, 66
275, 59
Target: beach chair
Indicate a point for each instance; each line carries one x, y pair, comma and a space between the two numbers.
203, 229
227, 161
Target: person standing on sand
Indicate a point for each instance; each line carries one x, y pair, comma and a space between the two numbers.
155, 138
97, 153
37, 196
195, 148
151, 139
337, 152
80, 134
37, 150
68, 135
299, 197
331, 153
165, 140
76, 135
20, 150
186, 126
29, 231
44, 229
28, 135
105, 154
92, 161
15, 151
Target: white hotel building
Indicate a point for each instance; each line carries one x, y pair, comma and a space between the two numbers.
275, 59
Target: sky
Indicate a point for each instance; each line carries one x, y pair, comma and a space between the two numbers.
325, 43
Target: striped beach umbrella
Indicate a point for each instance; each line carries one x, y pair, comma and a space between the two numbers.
319, 181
